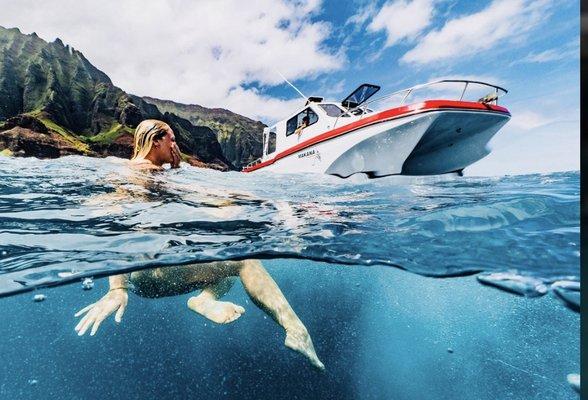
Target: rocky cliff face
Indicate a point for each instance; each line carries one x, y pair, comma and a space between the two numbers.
65, 103
28, 137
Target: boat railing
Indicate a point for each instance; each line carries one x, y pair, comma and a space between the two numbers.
253, 163
404, 94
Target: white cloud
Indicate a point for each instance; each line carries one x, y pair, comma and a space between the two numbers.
502, 21
258, 106
547, 55
201, 52
568, 51
401, 19
527, 120
362, 16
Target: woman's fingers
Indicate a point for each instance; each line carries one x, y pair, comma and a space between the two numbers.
83, 321
88, 320
119, 314
83, 310
96, 313
86, 324
176, 155
97, 323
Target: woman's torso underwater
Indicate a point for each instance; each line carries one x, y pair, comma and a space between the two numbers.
178, 280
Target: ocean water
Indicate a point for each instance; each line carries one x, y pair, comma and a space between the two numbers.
411, 288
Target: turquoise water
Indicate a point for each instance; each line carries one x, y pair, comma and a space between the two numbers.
360, 261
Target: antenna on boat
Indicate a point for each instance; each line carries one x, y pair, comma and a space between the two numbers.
294, 87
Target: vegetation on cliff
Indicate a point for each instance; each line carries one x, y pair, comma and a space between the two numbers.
50, 93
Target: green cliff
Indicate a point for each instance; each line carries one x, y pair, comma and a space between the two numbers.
51, 94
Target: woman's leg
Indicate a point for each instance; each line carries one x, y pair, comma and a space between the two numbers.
215, 280
208, 305
266, 294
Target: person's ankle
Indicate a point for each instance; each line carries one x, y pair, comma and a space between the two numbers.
298, 331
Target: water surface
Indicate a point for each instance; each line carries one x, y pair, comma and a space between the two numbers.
64, 219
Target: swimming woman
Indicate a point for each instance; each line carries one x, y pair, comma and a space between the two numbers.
155, 146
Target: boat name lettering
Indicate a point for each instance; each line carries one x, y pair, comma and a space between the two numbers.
306, 154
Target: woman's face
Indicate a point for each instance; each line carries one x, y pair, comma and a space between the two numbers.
163, 147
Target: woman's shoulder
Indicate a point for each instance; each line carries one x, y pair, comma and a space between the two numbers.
143, 164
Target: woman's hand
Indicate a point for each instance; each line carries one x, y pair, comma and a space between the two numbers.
112, 301
176, 156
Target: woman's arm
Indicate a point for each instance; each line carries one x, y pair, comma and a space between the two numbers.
118, 282
115, 299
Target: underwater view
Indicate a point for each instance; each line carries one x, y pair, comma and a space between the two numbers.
290, 199
398, 288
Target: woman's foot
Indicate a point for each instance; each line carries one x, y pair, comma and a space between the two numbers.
221, 312
300, 341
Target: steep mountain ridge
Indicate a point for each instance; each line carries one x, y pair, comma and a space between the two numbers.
85, 113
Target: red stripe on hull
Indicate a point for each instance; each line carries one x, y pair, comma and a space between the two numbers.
392, 113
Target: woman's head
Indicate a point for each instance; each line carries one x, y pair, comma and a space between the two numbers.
154, 141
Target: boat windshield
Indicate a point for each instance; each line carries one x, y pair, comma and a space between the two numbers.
332, 110
360, 95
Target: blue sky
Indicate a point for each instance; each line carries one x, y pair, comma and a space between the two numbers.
225, 53
545, 50
538, 63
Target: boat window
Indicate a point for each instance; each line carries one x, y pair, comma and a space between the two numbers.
331, 110
271, 142
296, 120
361, 111
360, 95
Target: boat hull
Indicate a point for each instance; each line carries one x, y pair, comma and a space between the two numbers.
427, 143
456, 140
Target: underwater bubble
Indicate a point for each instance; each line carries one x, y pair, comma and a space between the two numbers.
574, 381
513, 283
568, 292
33, 382
450, 350
87, 283
66, 274
39, 298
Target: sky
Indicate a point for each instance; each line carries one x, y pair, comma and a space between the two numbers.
233, 54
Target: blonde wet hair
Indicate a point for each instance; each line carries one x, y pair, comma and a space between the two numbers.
146, 133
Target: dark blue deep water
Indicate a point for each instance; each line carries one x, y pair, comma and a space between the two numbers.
396, 280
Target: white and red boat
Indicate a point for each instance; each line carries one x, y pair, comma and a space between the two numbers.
425, 137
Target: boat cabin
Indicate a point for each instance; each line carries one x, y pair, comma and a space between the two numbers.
315, 118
